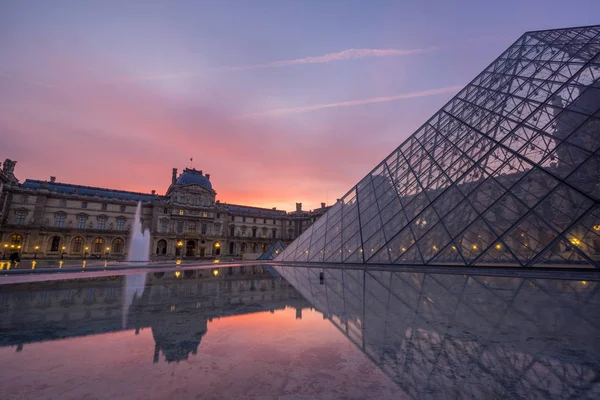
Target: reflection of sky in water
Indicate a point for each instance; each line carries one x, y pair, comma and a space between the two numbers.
241, 333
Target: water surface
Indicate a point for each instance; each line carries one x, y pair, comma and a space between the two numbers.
292, 332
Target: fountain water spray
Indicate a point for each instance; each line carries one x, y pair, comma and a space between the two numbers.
139, 242
139, 250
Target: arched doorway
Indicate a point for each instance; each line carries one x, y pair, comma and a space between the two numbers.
54, 243
161, 247
244, 247
231, 248
217, 248
263, 247
190, 248
254, 247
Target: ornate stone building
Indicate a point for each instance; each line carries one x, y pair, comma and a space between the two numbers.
54, 220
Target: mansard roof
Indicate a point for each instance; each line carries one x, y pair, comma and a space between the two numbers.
67, 188
237, 209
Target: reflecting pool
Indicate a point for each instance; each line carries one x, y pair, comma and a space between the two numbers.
294, 332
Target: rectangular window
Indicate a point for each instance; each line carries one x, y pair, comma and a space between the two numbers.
84, 204
179, 226
205, 214
165, 210
81, 222
104, 206
181, 212
218, 215
203, 227
274, 222
21, 218
192, 228
264, 221
60, 221
254, 220
123, 208
232, 218
63, 203
164, 226
25, 198
243, 219
120, 224
101, 223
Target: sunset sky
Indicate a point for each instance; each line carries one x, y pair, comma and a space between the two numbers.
280, 101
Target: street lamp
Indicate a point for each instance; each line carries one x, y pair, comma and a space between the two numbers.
107, 250
85, 252
179, 246
36, 248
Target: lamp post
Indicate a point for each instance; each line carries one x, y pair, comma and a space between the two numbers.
62, 253
107, 250
85, 252
36, 249
179, 248
5, 249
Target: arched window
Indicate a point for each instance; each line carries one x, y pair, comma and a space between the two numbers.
161, 247
217, 248
263, 247
117, 245
254, 230
254, 247
274, 233
98, 245
16, 239
231, 248
55, 243
244, 246
77, 245
231, 230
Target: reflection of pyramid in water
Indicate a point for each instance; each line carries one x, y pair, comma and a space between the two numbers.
272, 251
506, 173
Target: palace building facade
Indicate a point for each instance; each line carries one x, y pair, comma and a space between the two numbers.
51, 219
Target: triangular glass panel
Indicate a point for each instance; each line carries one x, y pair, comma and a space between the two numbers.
273, 251
513, 152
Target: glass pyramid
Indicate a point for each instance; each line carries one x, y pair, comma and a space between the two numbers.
507, 173
272, 251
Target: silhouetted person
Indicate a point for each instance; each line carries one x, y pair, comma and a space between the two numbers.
14, 257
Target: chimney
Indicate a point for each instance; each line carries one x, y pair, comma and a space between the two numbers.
52, 179
174, 176
153, 192
208, 176
298, 206
322, 205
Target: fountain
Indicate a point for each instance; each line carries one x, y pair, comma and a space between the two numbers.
139, 251
139, 242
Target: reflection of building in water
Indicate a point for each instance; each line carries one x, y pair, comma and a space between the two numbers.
506, 173
460, 336
176, 305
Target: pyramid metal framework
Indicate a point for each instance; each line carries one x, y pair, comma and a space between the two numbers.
273, 251
507, 173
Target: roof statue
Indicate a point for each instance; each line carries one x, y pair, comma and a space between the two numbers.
507, 173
